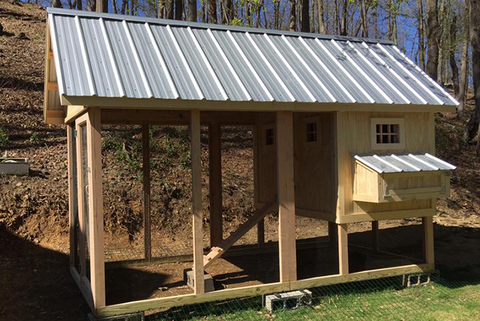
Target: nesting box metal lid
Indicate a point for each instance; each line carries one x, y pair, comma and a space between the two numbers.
398, 163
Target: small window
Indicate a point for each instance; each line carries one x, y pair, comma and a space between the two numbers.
311, 132
269, 136
388, 133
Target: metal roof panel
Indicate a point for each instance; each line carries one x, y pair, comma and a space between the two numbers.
398, 163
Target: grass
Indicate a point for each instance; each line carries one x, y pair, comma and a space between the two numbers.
369, 300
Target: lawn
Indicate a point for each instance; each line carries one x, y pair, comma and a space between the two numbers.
370, 300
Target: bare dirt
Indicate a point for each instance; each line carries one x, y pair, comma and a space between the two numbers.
34, 277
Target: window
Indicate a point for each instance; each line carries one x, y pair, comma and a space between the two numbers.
269, 136
311, 132
388, 133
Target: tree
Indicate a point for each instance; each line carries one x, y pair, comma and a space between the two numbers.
192, 10
463, 86
433, 35
473, 127
212, 11
178, 9
421, 34
293, 15
101, 6
57, 4
453, 60
321, 17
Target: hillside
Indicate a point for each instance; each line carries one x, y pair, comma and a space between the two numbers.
35, 207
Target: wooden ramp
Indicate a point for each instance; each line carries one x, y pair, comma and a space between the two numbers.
258, 215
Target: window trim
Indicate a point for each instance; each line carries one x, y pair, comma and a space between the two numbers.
310, 120
264, 129
388, 121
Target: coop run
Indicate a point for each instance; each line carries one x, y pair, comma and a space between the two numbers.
342, 134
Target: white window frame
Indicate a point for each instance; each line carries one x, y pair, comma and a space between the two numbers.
388, 121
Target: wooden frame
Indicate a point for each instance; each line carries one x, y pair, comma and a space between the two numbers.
388, 121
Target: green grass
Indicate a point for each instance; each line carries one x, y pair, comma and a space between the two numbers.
370, 300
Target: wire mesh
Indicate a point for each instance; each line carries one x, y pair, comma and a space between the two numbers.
380, 299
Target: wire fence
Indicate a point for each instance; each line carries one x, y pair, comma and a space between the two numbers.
381, 299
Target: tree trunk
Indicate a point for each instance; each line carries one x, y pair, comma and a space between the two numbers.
305, 16
57, 4
192, 10
433, 33
321, 17
463, 86
101, 6
453, 62
293, 15
79, 5
212, 11
475, 41
421, 34
178, 9
91, 5
169, 9
227, 12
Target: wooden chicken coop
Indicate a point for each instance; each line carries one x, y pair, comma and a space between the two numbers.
343, 132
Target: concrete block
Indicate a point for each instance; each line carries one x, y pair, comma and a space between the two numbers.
14, 166
139, 316
287, 300
189, 279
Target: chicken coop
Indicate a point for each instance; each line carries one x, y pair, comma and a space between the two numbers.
343, 133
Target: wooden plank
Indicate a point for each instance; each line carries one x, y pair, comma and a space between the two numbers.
73, 112
199, 285
286, 197
218, 251
428, 240
256, 290
95, 208
210, 105
52, 85
146, 191
215, 183
342, 249
261, 233
84, 288
48, 44
391, 215
375, 239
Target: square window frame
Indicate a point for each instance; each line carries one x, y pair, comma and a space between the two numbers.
305, 122
387, 121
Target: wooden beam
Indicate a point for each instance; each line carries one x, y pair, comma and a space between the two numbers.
261, 233
95, 208
146, 191
199, 285
215, 184
286, 197
73, 112
375, 240
428, 240
255, 290
218, 251
52, 86
342, 249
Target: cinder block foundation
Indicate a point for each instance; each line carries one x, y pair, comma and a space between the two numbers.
190, 280
287, 300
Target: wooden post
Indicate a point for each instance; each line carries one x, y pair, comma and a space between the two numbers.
197, 203
95, 208
332, 233
342, 249
286, 197
375, 240
261, 224
146, 191
261, 233
215, 170
428, 240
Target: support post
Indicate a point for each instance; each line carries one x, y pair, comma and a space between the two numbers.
146, 191
82, 246
95, 208
375, 240
428, 240
215, 170
261, 233
286, 197
342, 249
199, 286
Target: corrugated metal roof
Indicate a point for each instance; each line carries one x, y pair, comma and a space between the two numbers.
105, 55
391, 163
